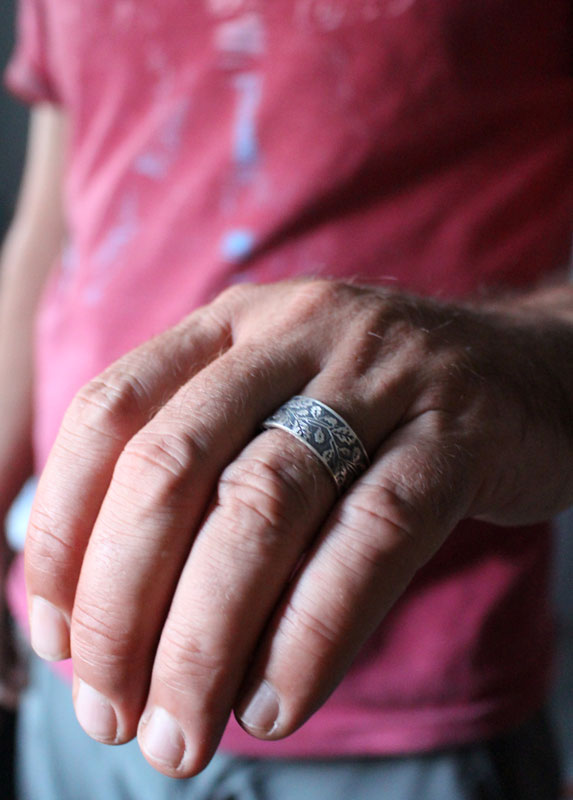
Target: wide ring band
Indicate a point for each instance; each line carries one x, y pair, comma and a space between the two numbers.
326, 433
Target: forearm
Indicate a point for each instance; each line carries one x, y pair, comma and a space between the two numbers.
29, 249
551, 301
23, 268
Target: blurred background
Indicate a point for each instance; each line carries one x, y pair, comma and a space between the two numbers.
562, 701
13, 122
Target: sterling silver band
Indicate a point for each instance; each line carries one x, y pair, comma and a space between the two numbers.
326, 433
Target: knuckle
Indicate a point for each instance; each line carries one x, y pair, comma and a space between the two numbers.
410, 343
312, 632
234, 297
315, 297
371, 510
160, 464
250, 362
106, 405
266, 490
98, 636
450, 379
211, 323
437, 477
46, 552
184, 658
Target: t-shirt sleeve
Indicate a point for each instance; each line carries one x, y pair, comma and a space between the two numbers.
28, 74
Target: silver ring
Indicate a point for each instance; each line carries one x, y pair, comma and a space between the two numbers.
326, 433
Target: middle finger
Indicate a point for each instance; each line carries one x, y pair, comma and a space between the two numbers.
161, 485
270, 503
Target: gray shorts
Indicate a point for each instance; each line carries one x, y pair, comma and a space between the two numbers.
58, 761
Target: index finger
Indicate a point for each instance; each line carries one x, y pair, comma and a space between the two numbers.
103, 416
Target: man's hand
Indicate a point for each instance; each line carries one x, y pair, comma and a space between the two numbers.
204, 566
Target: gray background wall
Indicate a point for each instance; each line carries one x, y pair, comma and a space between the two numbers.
13, 118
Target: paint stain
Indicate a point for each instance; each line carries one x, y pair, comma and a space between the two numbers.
248, 86
237, 245
243, 36
155, 161
109, 253
329, 15
223, 8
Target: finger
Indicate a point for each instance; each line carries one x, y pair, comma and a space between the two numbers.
102, 418
270, 502
161, 486
111, 409
383, 530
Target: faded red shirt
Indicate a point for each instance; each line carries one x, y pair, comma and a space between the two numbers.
426, 143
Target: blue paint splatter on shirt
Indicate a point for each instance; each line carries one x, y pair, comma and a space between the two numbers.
245, 146
237, 245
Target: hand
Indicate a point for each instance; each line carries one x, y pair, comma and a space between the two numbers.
166, 528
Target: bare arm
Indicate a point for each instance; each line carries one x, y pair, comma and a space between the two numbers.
31, 244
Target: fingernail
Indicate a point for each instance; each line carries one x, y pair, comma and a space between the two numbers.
95, 714
49, 630
162, 739
259, 711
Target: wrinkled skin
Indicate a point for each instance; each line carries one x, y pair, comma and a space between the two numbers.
166, 526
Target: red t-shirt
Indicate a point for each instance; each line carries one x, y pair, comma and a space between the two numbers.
426, 143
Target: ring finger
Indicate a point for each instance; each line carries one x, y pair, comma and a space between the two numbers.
270, 502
